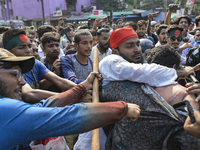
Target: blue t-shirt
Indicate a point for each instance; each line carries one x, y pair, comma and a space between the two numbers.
21, 122
34, 76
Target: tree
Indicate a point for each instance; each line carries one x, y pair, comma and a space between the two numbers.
114, 5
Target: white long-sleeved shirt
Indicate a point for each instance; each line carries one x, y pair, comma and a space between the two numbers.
116, 68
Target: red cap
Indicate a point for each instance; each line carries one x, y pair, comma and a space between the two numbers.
120, 35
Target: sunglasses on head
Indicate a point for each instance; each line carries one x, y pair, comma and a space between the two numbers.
173, 38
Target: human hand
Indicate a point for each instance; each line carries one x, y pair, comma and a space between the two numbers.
185, 72
150, 16
57, 66
89, 81
173, 7
70, 46
193, 88
193, 128
87, 98
98, 21
133, 112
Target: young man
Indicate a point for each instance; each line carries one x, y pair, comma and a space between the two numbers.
76, 67
41, 30
142, 30
182, 21
50, 45
18, 43
103, 44
24, 122
162, 35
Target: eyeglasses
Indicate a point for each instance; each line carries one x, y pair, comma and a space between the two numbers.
173, 38
19, 75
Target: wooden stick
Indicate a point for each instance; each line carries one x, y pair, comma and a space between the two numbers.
95, 97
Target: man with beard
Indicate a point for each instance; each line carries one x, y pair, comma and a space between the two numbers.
162, 35
118, 70
103, 45
17, 42
126, 62
142, 29
76, 67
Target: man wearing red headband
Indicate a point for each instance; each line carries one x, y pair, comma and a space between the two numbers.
126, 62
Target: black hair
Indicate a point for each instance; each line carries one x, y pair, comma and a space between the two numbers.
185, 17
80, 33
43, 29
164, 55
163, 26
50, 36
102, 30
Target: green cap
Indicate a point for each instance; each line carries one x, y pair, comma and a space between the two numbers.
26, 63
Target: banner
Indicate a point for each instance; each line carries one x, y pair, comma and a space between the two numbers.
190, 3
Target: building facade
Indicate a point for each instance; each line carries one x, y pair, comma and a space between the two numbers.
31, 10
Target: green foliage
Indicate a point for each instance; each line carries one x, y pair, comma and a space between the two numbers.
147, 4
114, 5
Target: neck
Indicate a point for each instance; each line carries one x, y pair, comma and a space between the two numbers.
50, 60
81, 58
184, 33
101, 51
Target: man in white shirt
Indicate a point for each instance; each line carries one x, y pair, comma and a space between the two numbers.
126, 62
103, 44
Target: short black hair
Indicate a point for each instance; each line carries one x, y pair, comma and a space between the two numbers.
4, 29
118, 20
163, 26
50, 36
197, 19
185, 17
43, 29
164, 55
80, 33
141, 23
102, 30
132, 24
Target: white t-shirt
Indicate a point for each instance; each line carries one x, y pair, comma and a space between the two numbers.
116, 68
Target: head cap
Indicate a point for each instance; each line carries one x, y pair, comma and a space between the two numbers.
120, 35
26, 63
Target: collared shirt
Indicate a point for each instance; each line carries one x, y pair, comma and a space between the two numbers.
101, 56
158, 44
116, 68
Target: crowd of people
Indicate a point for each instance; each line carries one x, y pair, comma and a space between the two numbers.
148, 99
